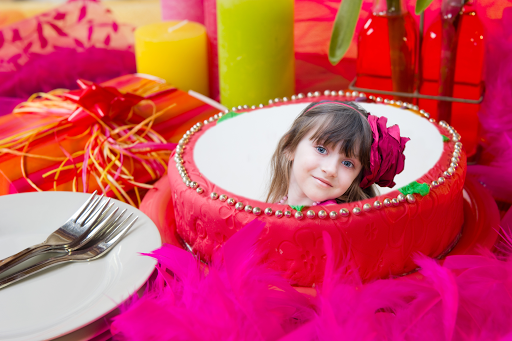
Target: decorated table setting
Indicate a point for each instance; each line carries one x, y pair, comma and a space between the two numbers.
144, 103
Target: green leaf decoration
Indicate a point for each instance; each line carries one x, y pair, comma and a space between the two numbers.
297, 208
421, 5
227, 116
415, 187
343, 29
445, 138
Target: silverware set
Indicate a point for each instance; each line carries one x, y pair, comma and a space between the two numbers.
89, 233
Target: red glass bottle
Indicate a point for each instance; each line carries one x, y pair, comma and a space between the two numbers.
467, 82
387, 49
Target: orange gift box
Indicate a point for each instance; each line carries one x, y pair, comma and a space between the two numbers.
122, 130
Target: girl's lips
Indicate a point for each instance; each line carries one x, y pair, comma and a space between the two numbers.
323, 181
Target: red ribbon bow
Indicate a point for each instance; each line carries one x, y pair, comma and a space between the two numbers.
101, 101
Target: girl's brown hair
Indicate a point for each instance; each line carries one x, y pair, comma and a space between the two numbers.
335, 125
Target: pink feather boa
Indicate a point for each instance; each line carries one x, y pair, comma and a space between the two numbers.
234, 298
468, 297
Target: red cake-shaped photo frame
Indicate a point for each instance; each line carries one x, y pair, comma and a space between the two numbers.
217, 181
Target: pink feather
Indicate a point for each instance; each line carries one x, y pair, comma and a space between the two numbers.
443, 281
467, 297
235, 298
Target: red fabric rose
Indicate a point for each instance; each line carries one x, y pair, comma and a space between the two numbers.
387, 155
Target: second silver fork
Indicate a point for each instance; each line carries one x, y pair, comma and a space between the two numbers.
89, 220
98, 247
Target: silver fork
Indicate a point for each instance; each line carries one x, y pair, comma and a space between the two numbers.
80, 228
98, 248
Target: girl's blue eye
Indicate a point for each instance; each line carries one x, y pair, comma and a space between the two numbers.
321, 150
347, 164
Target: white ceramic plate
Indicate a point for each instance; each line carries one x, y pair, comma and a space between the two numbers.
65, 298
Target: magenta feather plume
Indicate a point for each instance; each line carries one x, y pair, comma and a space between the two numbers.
467, 297
235, 298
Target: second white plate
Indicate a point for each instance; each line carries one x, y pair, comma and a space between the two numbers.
65, 298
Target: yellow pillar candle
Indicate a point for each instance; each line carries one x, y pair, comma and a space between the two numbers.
256, 60
175, 51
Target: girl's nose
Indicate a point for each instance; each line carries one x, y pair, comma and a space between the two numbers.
329, 166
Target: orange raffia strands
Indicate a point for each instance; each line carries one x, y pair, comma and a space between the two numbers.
115, 137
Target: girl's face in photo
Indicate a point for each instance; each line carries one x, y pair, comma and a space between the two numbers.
320, 173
